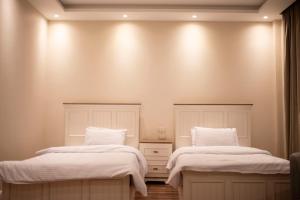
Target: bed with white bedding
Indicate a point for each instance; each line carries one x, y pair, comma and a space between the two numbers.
103, 167
236, 159
214, 167
78, 163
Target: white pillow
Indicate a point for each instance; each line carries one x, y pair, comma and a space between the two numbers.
214, 136
104, 136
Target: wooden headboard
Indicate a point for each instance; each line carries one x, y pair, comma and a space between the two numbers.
119, 116
212, 116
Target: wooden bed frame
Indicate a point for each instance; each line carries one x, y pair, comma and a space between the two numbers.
112, 189
224, 186
77, 118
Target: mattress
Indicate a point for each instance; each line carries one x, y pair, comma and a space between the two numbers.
245, 160
78, 163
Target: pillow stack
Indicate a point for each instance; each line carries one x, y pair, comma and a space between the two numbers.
104, 136
214, 136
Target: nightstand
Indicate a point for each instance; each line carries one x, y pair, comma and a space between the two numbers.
157, 156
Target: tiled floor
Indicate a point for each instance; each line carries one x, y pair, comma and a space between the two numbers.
157, 190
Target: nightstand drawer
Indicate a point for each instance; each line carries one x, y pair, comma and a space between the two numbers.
157, 169
162, 158
156, 149
156, 152
157, 162
158, 176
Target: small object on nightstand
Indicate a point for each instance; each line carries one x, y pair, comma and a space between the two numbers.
157, 156
161, 133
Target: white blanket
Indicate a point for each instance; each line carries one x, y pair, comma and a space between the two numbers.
78, 162
223, 159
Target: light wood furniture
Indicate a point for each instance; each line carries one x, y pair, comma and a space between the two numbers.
80, 116
212, 116
157, 155
77, 118
234, 186
112, 189
224, 186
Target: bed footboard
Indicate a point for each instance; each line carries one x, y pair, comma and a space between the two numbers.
234, 186
111, 189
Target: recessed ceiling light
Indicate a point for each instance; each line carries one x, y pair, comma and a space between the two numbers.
125, 16
56, 16
194, 16
266, 17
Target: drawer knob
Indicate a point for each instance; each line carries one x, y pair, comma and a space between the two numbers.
155, 151
155, 168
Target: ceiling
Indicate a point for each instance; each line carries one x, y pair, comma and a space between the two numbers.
162, 10
168, 2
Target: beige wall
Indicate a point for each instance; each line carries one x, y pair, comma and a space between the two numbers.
159, 64
154, 63
23, 40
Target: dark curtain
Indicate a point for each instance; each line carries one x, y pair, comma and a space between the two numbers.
291, 18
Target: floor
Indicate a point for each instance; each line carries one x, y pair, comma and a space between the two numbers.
158, 190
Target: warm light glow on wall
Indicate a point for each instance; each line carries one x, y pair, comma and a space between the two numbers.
43, 37
259, 39
59, 38
125, 44
60, 34
191, 43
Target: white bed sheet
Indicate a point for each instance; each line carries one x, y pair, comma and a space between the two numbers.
76, 163
223, 159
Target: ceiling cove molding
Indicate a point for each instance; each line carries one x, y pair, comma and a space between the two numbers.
154, 8
161, 11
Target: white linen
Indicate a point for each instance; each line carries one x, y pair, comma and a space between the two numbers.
78, 162
214, 136
224, 159
104, 136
